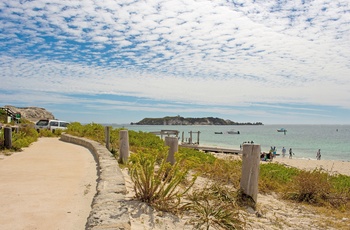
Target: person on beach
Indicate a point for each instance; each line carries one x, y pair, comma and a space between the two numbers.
290, 153
318, 154
284, 152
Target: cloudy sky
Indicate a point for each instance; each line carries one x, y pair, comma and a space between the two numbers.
118, 61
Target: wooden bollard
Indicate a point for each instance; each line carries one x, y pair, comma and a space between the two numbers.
173, 144
123, 146
108, 137
250, 171
8, 137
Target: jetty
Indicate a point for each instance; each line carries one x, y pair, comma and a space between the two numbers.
211, 149
188, 143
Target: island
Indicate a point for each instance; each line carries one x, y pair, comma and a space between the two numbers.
178, 120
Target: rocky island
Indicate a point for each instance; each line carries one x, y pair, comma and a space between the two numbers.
178, 120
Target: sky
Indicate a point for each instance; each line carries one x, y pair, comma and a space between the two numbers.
119, 61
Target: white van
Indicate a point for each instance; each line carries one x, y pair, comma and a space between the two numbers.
51, 124
57, 124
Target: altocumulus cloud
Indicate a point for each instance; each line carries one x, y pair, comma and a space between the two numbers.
198, 52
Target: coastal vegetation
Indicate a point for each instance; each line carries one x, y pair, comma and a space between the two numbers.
178, 120
25, 136
175, 188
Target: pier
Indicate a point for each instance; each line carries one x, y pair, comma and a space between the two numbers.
211, 149
188, 143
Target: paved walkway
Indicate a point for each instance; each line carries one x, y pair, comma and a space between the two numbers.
49, 185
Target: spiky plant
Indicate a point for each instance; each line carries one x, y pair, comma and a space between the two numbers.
215, 207
159, 185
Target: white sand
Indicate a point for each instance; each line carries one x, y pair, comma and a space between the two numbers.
49, 185
331, 166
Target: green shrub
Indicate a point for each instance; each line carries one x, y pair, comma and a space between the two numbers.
311, 187
24, 138
92, 131
224, 171
274, 177
214, 207
158, 184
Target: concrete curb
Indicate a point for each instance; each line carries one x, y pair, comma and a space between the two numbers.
108, 208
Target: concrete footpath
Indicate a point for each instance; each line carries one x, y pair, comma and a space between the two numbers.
49, 185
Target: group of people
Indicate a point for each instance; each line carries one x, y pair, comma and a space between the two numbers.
273, 152
291, 153
284, 151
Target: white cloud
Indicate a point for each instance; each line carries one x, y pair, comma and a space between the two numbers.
215, 52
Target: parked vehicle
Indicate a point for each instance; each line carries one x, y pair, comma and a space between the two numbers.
51, 124
56, 124
42, 124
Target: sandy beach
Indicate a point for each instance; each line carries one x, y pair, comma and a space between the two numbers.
331, 166
49, 185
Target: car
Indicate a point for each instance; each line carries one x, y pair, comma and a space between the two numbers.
51, 124
42, 124
57, 124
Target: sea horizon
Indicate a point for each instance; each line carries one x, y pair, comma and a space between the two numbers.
304, 140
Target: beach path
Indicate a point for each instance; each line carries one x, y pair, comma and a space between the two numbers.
49, 185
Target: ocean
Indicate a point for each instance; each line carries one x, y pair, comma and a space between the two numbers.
305, 140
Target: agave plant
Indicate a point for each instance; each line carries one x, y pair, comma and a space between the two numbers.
158, 184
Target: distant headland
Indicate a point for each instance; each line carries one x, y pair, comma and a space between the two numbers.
178, 120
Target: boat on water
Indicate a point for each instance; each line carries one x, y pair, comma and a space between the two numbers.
282, 130
233, 132
218, 132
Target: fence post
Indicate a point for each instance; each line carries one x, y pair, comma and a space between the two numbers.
250, 171
108, 137
123, 146
8, 137
173, 144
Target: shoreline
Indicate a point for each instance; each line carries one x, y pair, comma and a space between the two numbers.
330, 166
333, 167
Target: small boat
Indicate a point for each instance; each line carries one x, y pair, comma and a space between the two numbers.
233, 132
218, 132
282, 130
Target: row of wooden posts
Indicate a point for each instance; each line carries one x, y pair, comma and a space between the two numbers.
250, 160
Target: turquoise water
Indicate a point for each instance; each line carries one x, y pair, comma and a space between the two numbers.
305, 140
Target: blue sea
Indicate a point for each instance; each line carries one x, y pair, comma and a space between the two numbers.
305, 140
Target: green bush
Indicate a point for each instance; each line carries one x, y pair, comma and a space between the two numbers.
24, 137
158, 184
215, 207
92, 131
311, 187
274, 177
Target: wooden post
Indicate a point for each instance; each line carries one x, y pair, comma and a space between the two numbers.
183, 137
190, 141
108, 137
198, 137
8, 137
250, 171
173, 144
123, 146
